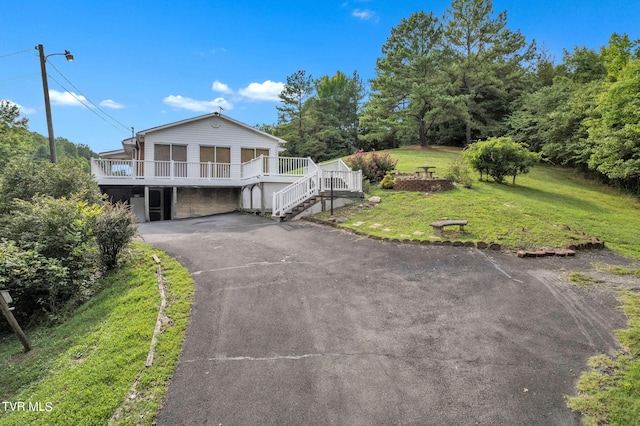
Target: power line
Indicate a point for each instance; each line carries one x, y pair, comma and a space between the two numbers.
87, 106
16, 53
87, 98
16, 80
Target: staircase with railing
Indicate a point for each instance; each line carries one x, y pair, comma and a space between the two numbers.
333, 177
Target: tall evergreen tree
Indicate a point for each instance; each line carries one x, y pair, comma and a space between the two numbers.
488, 63
291, 114
411, 91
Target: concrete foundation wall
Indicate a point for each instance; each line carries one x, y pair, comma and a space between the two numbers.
260, 196
196, 202
325, 205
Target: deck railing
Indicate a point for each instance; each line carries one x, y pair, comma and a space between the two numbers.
313, 184
136, 169
279, 166
335, 165
296, 193
341, 180
261, 166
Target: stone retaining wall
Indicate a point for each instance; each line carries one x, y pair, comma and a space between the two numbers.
424, 185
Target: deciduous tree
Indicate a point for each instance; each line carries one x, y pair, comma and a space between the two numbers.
615, 129
15, 139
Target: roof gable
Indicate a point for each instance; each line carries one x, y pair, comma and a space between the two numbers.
143, 133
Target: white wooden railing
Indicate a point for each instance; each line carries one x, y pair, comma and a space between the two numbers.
280, 166
261, 166
335, 165
343, 180
313, 184
127, 169
296, 193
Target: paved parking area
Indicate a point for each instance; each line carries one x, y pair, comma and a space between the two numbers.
301, 324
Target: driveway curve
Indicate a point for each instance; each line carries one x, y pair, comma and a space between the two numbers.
299, 324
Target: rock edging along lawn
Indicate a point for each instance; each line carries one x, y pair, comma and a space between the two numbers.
590, 243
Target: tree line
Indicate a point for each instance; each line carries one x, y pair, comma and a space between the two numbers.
465, 77
16, 141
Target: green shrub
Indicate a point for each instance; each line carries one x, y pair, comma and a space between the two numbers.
23, 179
500, 157
460, 172
373, 165
366, 185
59, 234
34, 281
387, 182
114, 228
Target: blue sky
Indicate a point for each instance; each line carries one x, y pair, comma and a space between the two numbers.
148, 63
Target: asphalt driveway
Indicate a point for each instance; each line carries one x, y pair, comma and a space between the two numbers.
300, 324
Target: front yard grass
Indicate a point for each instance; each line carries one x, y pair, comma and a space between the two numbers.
610, 392
532, 214
81, 371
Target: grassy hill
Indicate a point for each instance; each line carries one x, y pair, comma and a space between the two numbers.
92, 366
533, 213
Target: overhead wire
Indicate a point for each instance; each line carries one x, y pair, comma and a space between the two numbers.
16, 53
16, 80
85, 105
26, 77
87, 98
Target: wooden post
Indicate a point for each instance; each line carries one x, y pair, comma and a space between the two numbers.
14, 324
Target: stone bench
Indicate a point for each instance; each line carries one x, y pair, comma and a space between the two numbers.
438, 226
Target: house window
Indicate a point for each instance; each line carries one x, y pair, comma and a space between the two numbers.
215, 162
248, 154
165, 154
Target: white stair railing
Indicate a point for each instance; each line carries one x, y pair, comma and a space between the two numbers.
296, 193
343, 180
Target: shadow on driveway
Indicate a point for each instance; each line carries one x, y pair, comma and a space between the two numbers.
300, 324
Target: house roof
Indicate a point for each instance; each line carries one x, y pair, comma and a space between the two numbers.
203, 117
129, 143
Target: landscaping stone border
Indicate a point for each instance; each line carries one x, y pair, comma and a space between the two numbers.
589, 243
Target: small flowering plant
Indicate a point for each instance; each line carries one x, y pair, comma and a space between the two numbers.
373, 165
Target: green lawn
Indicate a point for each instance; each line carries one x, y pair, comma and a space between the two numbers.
81, 371
534, 213
610, 392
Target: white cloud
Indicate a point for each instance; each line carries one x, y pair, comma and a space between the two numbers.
178, 101
23, 110
66, 98
221, 88
365, 14
267, 91
109, 103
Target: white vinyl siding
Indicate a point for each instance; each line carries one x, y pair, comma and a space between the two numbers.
195, 134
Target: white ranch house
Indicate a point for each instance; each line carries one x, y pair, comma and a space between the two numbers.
214, 164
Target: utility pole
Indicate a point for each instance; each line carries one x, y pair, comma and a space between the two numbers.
47, 103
